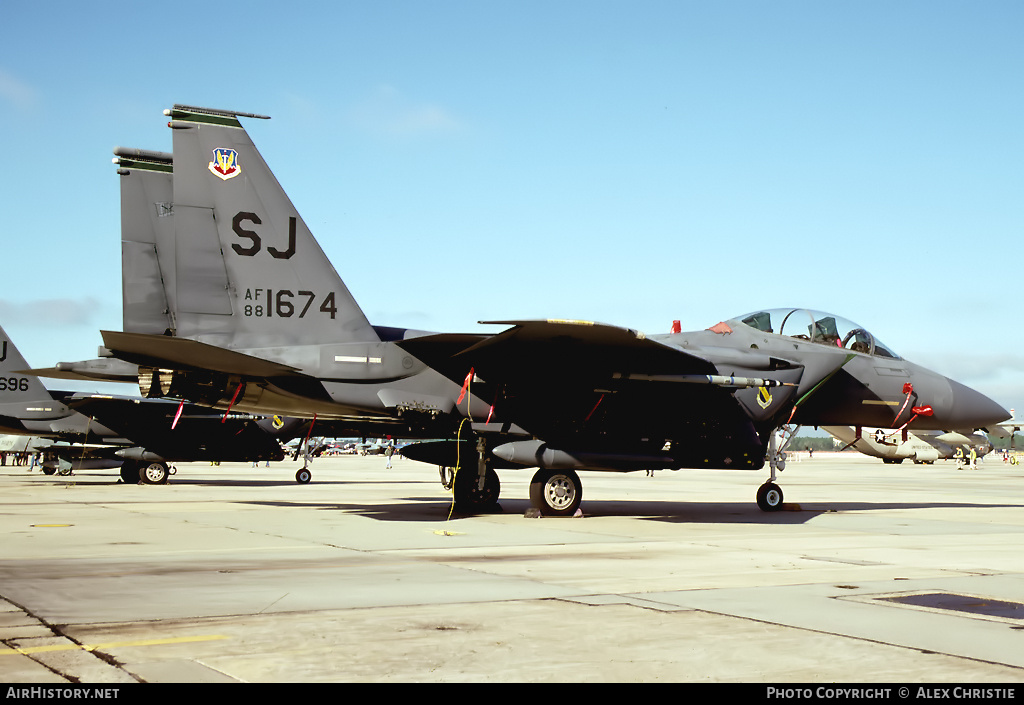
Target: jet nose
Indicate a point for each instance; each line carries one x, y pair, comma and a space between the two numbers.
972, 409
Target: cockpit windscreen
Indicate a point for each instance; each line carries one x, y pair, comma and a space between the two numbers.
817, 327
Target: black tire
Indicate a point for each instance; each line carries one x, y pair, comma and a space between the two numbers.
130, 472
303, 476
769, 497
469, 497
556, 493
153, 473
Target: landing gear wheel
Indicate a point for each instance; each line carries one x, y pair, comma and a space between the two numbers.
130, 472
556, 493
769, 497
153, 474
47, 470
469, 498
303, 476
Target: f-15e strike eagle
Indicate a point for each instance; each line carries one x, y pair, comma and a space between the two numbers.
139, 436
249, 314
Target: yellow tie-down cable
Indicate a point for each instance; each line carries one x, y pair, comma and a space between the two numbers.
458, 464
467, 393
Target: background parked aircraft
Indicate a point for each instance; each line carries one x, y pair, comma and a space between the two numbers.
141, 436
893, 446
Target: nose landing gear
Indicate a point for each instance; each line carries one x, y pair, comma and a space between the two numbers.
769, 495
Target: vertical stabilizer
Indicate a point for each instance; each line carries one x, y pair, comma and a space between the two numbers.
17, 389
146, 229
249, 273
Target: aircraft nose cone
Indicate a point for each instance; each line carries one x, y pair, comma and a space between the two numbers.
972, 409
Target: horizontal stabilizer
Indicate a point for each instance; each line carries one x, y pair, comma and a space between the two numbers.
187, 354
104, 369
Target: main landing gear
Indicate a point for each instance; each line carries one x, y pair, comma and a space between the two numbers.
474, 493
552, 492
134, 472
556, 493
476, 489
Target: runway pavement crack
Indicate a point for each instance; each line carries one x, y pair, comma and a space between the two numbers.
865, 640
57, 630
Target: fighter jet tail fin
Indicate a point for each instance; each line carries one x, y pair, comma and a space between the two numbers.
146, 229
248, 272
16, 387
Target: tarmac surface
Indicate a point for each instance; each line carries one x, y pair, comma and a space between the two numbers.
875, 574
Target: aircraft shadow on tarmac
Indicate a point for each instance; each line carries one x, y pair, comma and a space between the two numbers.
406, 509
433, 509
283, 481
744, 513
233, 482
439, 509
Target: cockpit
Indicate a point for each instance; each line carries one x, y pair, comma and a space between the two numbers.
816, 327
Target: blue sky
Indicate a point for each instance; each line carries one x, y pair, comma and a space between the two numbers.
625, 162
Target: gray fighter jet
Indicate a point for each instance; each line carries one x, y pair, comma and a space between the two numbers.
141, 436
260, 321
602, 397
896, 445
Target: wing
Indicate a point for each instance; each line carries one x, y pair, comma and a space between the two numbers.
589, 385
1006, 429
187, 354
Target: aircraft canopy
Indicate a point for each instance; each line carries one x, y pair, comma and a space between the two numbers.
817, 327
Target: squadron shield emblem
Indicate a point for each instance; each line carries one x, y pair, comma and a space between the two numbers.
764, 397
225, 163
